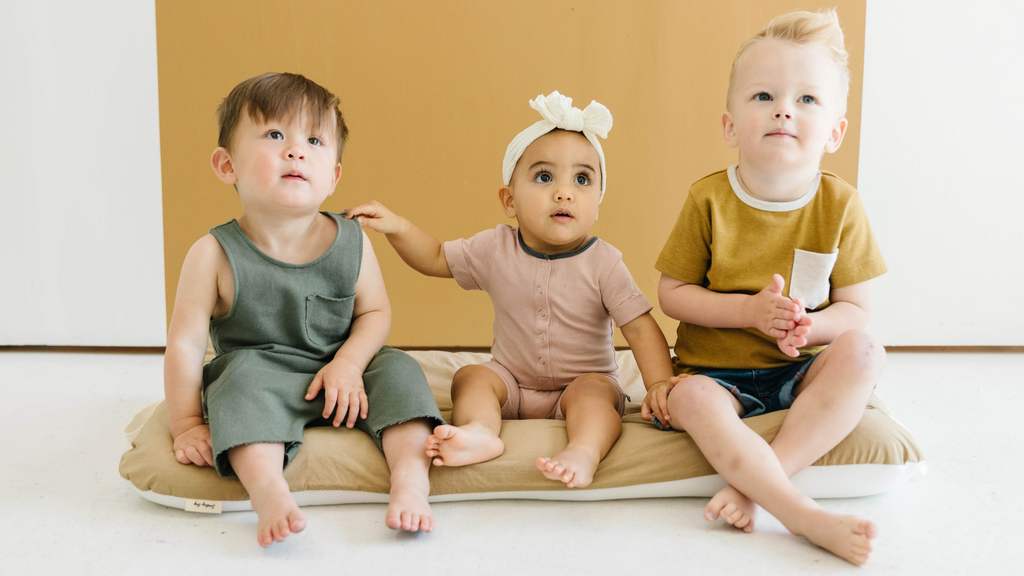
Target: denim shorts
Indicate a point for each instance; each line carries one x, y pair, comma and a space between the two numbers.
759, 391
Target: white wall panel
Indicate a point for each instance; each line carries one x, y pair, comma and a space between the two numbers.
81, 234
940, 170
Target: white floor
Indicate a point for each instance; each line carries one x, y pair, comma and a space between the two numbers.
64, 508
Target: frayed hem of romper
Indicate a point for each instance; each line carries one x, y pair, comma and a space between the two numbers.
231, 468
379, 434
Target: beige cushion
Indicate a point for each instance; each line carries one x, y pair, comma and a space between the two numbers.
347, 460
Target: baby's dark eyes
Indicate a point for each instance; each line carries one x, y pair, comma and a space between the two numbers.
582, 179
274, 134
315, 141
763, 97
542, 177
807, 99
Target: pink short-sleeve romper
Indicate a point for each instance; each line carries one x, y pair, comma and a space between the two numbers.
552, 313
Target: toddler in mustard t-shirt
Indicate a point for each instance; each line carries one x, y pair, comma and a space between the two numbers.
767, 270
556, 290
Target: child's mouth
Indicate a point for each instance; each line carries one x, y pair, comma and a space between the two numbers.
562, 216
293, 176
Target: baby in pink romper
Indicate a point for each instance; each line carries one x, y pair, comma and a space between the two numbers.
556, 290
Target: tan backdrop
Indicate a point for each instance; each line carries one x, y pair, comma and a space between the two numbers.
434, 91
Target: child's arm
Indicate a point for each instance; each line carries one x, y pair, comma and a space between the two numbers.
768, 310
187, 338
342, 378
419, 250
651, 353
850, 309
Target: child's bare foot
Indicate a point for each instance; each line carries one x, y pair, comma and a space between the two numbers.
408, 508
848, 537
574, 466
279, 515
733, 507
462, 445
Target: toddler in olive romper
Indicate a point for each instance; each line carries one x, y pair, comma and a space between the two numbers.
286, 323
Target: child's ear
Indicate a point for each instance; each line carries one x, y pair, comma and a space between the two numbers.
223, 167
729, 130
835, 138
337, 176
507, 204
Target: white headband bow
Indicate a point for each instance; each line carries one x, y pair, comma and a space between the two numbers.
593, 121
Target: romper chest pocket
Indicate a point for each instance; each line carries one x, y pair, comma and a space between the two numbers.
811, 271
328, 319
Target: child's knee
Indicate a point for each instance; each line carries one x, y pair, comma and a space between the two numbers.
592, 386
692, 394
861, 348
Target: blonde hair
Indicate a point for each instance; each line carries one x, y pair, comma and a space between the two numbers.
819, 29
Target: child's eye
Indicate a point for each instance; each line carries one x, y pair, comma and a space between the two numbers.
542, 177
275, 135
763, 97
582, 179
315, 141
807, 99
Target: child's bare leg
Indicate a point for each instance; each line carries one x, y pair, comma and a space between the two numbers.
830, 402
477, 396
408, 508
747, 462
260, 468
592, 421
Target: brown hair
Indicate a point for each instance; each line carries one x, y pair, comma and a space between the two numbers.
273, 96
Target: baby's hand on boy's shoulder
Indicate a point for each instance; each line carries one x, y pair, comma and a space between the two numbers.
771, 312
376, 216
656, 402
342, 383
193, 446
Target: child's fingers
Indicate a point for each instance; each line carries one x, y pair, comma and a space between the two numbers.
663, 407
354, 408
339, 414
645, 412
776, 333
207, 452
364, 402
330, 399
314, 387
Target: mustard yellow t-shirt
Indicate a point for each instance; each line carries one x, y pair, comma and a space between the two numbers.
730, 242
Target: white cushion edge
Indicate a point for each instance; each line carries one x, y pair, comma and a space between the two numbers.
847, 481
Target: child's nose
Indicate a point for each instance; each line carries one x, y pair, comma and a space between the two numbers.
564, 193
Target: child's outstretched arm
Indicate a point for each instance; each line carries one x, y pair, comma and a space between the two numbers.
768, 310
419, 250
187, 338
342, 378
651, 353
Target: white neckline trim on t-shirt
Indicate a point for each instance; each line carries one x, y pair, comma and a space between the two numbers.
767, 206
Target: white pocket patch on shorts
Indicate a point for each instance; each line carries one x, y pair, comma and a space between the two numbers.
809, 281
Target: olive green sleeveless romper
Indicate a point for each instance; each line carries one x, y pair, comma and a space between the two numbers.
286, 323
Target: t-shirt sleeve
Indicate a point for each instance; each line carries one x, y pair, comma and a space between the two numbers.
622, 298
687, 252
859, 258
470, 259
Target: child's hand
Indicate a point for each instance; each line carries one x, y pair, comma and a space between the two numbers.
375, 216
656, 402
342, 383
797, 337
771, 312
193, 446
